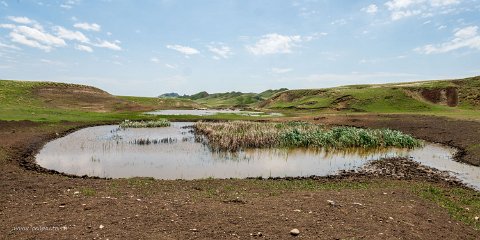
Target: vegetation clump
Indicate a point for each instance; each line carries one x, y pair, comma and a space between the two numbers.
236, 135
145, 124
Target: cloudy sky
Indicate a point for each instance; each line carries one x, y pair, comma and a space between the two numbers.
146, 48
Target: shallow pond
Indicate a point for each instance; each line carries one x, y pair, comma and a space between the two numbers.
209, 112
105, 151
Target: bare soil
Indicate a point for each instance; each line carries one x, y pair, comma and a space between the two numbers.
374, 204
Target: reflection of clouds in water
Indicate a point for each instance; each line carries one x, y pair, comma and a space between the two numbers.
189, 160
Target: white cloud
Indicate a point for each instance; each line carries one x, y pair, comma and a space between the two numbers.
407, 8
83, 48
109, 45
170, 66
155, 60
21, 20
467, 37
274, 43
88, 26
8, 26
42, 37
18, 38
5, 4
370, 9
9, 46
183, 49
64, 33
220, 50
281, 70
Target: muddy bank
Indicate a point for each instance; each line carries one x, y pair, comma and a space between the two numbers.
373, 204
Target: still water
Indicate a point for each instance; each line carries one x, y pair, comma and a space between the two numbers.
209, 112
106, 151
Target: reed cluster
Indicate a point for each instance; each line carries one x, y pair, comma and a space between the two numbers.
145, 124
236, 135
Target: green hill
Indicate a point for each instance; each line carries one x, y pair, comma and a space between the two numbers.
232, 99
385, 98
52, 101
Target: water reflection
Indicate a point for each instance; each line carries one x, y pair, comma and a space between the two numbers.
105, 151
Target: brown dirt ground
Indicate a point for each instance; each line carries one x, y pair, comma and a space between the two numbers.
367, 206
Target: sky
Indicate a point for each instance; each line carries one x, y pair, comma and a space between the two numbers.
150, 47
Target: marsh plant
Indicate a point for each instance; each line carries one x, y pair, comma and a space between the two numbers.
236, 135
145, 124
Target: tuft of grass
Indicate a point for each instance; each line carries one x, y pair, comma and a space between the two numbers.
90, 192
145, 124
236, 135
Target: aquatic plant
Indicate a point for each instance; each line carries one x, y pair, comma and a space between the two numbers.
244, 134
145, 124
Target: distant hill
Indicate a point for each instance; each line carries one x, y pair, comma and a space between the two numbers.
231, 99
53, 100
398, 97
169, 95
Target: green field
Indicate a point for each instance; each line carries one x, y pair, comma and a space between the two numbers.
48, 101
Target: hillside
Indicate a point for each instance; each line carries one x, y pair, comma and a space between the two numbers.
62, 101
232, 99
402, 97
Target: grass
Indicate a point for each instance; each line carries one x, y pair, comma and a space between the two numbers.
462, 204
145, 124
236, 135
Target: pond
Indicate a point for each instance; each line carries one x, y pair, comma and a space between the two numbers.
209, 112
174, 153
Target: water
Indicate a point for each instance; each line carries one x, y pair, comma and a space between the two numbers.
209, 112
105, 151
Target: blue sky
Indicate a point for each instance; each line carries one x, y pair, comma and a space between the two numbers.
146, 48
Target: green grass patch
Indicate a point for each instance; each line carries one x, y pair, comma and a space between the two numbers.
462, 204
89, 192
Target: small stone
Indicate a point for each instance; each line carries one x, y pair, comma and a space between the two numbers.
332, 203
194, 230
476, 218
294, 232
138, 199
391, 218
101, 226
297, 210
76, 192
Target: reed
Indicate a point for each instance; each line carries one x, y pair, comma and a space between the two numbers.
236, 135
145, 124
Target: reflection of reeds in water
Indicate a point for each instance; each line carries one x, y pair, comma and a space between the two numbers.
145, 124
148, 141
235, 135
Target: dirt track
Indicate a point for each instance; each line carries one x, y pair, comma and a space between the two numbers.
366, 207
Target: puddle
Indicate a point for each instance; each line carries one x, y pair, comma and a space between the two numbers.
210, 112
173, 153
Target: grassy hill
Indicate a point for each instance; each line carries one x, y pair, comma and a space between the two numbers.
51, 101
426, 96
232, 99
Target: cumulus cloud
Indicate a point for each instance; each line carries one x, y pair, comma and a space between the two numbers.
64, 33
109, 45
281, 70
466, 37
274, 43
88, 26
370, 9
83, 48
18, 38
21, 20
183, 49
220, 50
407, 8
155, 60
